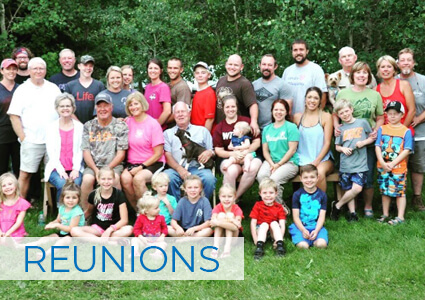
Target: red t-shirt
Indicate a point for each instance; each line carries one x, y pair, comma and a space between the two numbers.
236, 210
267, 214
150, 228
203, 106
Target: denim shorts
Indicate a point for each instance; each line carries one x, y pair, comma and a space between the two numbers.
346, 179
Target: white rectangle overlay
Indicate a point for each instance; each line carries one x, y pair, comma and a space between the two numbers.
189, 258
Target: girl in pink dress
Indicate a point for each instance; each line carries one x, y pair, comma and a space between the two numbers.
12, 208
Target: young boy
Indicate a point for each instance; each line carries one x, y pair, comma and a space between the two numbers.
309, 211
353, 160
204, 101
167, 203
267, 215
393, 145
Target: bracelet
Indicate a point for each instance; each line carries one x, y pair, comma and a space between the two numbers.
114, 227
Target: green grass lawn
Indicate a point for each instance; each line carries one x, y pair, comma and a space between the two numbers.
364, 260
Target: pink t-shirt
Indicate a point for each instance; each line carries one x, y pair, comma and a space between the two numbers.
142, 138
9, 214
155, 95
66, 148
236, 210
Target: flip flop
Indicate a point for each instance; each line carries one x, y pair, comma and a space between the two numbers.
396, 221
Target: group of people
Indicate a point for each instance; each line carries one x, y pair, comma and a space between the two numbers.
271, 130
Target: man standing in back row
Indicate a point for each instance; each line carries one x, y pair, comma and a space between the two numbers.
243, 91
406, 63
269, 88
302, 75
68, 73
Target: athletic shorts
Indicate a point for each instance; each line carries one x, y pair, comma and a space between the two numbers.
390, 184
297, 235
417, 159
346, 180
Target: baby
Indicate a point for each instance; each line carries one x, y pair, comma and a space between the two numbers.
240, 142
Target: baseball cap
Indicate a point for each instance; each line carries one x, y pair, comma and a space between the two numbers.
103, 97
201, 64
396, 105
86, 58
6, 63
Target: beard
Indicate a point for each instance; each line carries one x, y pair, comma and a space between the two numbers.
266, 75
406, 71
299, 62
23, 66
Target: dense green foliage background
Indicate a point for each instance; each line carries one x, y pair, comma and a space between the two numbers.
132, 31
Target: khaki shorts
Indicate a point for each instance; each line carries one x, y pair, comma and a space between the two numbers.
118, 170
417, 159
31, 156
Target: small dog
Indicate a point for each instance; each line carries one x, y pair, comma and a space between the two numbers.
332, 81
191, 150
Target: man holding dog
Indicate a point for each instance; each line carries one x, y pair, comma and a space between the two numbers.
178, 170
269, 88
347, 59
302, 75
406, 63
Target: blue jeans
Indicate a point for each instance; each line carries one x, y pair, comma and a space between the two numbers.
59, 182
207, 178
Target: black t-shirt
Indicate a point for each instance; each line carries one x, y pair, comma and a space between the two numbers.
20, 79
107, 211
61, 79
84, 97
7, 135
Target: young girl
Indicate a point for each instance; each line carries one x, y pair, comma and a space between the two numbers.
150, 227
240, 141
12, 208
193, 212
107, 207
70, 213
167, 203
226, 219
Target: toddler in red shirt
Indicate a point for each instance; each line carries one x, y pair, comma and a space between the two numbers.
268, 215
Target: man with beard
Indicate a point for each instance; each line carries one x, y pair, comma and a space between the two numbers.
242, 89
68, 73
269, 88
302, 75
22, 56
347, 59
406, 63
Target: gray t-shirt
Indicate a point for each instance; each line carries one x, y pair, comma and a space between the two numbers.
267, 93
351, 133
104, 142
300, 79
417, 81
192, 214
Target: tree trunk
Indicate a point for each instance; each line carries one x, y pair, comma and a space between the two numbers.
3, 31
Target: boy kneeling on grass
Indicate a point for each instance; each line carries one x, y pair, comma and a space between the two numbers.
393, 146
309, 211
268, 216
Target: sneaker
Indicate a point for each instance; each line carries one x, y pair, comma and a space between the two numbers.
353, 217
280, 250
418, 203
335, 212
259, 252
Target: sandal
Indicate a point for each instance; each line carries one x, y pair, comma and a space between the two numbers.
368, 213
382, 219
396, 221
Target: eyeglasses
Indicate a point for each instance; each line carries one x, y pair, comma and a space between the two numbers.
38, 69
65, 106
22, 58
